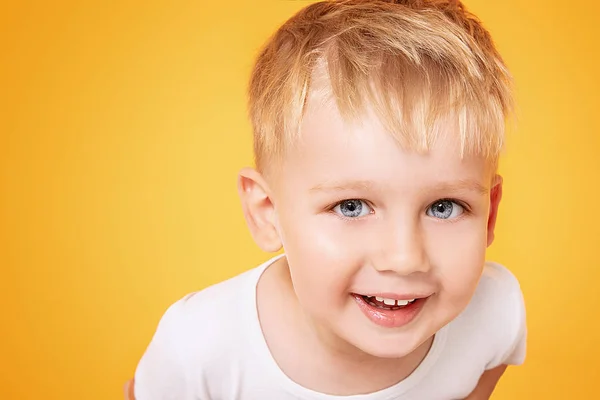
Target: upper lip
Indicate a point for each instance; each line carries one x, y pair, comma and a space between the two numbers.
396, 296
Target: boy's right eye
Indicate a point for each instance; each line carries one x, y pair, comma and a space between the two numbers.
352, 208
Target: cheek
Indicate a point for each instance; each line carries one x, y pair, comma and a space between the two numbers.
458, 256
322, 256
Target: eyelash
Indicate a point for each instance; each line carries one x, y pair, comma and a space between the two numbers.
465, 206
459, 202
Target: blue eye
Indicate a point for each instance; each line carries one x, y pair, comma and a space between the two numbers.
445, 209
352, 208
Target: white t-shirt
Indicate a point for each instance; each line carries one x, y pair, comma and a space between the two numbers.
209, 346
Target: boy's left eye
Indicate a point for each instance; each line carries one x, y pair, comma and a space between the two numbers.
445, 209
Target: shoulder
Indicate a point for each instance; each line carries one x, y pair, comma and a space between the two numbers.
198, 323
498, 277
500, 292
199, 330
495, 317
202, 320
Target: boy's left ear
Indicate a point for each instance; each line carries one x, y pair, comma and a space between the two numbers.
495, 197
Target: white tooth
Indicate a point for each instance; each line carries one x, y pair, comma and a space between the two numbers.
410, 301
389, 302
402, 302
379, 298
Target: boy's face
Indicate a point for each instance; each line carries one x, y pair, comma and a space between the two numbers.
358, 216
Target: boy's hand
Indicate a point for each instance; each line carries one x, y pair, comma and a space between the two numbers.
129, 390
487, 383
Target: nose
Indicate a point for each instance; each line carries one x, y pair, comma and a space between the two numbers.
402, 249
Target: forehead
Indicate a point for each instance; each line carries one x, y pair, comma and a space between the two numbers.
331, 148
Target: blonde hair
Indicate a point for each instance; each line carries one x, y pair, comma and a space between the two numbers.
414, 62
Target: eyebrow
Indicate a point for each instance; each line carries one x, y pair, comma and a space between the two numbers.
339, 186
463, 185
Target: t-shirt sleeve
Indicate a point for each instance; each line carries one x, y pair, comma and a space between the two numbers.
518, 348
510, 325
160, 372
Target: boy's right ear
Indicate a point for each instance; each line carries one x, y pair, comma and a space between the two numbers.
258, 209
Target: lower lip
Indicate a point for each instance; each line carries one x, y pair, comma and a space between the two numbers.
390, 318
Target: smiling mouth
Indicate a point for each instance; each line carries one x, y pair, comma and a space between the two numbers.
386, 304
390, 313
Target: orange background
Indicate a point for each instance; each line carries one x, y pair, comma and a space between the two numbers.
122, 128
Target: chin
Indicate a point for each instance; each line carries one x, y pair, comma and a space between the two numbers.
389, 347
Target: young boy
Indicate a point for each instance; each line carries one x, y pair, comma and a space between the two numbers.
378, 126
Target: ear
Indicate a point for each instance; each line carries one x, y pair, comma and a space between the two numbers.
495, 197
258, 209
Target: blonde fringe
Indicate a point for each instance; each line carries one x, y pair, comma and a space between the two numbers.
414, 62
